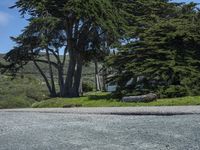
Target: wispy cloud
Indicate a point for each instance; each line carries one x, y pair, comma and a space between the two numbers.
4, 18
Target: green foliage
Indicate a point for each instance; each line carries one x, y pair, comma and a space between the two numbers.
161, 52
165, 54
173, 91
20, 93
35, 94
51, 25
15, 102
93, 99
84, 29
87, 87
105, 100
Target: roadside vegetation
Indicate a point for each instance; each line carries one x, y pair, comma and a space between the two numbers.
20, 93
70, 48
30, 92
99, 99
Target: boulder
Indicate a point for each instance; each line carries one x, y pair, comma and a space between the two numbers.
142, 98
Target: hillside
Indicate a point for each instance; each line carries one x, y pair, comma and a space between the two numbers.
30, 69
23, 92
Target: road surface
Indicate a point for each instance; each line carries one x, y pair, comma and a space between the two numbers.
61, 130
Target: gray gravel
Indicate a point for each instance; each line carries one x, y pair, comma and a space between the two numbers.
64, 131
166, 110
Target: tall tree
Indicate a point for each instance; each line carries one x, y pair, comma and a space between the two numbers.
74, 26
165, 56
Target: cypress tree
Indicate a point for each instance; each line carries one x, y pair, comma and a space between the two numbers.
165, 56
74, 26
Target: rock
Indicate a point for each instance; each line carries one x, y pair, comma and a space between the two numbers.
142, 98
72, 105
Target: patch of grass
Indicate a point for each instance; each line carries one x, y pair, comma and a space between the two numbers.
15, 102
104, 100
29, 92
20, 93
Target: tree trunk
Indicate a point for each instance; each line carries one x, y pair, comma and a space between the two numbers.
81, 88
60, 79
70, 74
74, 74
53, 89
104, 76
44, 76
77, 77
97, 79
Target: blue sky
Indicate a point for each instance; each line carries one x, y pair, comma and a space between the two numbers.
11, 23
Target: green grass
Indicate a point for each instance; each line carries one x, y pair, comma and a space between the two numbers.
20, 93
16, 102
104, 100
29, 92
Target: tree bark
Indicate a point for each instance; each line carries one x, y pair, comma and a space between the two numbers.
67, 90
53, 89
77, 76
61, 79
97, 79
75, 43
104, 76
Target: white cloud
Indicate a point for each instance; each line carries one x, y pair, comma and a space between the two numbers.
4, 18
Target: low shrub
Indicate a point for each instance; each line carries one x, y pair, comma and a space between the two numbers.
20, 93
87, 87
173, 91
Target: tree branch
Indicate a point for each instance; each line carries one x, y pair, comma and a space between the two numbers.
43, 75
46, 62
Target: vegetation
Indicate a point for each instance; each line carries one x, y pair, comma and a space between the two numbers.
20, 93
81, 29
87, 87
155, 48
29, 92
164, 58
105, 100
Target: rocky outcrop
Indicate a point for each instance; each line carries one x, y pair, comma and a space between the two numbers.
142, 98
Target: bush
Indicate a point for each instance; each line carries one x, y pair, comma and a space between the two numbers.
87, 87
35, 94
15, 102
19, 92
173, 91
192, 85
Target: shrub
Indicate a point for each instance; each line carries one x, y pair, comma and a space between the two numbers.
35, 94
173, 91
87, 87
19, 92
15, 102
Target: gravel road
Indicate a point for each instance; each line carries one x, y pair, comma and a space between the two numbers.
166, 110
37, 130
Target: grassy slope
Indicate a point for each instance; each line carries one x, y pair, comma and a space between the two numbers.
30, 69
104, 100
20, 93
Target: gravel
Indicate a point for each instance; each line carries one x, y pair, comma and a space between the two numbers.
39, 130
166, 110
